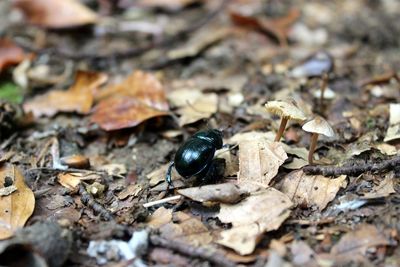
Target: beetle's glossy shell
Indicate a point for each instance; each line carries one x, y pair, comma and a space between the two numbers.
194, 157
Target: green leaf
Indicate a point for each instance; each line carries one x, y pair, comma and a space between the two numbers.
11, 92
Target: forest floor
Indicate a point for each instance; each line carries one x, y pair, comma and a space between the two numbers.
98, 96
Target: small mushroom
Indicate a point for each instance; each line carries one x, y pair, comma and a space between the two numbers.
287, 111
317, 126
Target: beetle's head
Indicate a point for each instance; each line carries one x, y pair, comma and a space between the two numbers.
213, 136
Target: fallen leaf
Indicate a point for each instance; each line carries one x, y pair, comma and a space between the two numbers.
201, 108
231, 161
114, 169
56, 14
158, 176
221, 193
357, 242
10, 54
73, 179
259, 161
159, 218
187, 229
16, 208
384, 189
311, 189
253, 135
131, 190
138, 98
78, 98
278, 28
261, 212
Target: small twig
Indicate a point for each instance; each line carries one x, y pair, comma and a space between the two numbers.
8, 141
162, 201
88, 200
198, 252
353, 170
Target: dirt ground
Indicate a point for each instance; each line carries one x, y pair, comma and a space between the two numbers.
98, 96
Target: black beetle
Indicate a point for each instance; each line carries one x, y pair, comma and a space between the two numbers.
195, 157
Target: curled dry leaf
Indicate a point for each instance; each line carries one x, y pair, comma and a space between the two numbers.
357, 242
73, 179
16, 208
384, 189
278, 28
158, 176
10, 54
201, 108
78, 98
222, 193
56, 14
261, 212
259, 161
311, 189
136, 99
393, 132
159, 218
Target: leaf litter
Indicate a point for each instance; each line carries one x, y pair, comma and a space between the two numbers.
97, 154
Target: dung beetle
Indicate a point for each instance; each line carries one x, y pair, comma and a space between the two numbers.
195, 157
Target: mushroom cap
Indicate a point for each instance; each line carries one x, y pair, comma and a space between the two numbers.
320, 126
285, 109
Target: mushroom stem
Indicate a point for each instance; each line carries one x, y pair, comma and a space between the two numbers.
281, 129
323, 87
313, 145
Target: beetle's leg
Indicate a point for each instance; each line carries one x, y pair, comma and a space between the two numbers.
168, 177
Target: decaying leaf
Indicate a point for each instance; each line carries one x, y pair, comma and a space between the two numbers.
130, 190
73, 179
231, 161
16, 208
241, 137
201, 108
384, 189
221, 193
10, 54
393, 132
357, 242
278, 28
187, 229
261, 212
136, 99
78, 98
158, 176
56, 14
259, 161
160, 217
311, 189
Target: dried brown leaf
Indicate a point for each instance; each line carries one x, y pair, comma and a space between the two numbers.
78, 98
358, 241
187, 229
159, 218
131, 190
259, 161
136, 99
222, 193
56, 14
16, 208
384, 189
261, 212
311, 189
201, 108
10, 54
73, 179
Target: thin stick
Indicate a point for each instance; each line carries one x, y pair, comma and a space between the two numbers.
353, 170
281, 129
210, 255
88, 200
161, 201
